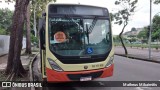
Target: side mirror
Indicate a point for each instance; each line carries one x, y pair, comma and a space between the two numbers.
41, 29
43, 14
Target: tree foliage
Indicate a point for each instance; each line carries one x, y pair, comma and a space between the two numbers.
34, 39
40, 7
6, 19
2, 31
111, 16
37, 7
133, 29
14, 65
122, 17
116, 39
128, 9
156, 27
142, 34
156, 1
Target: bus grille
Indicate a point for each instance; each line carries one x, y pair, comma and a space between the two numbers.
76, 77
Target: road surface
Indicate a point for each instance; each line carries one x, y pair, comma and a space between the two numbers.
126, 70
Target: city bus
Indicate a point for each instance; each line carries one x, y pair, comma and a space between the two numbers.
76, 43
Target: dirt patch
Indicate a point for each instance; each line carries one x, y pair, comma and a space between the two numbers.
3, 77
24, 78
3, 59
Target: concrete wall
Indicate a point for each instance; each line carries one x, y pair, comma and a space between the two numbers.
4, 44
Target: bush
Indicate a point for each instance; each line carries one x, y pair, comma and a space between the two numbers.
2, 31
34, 39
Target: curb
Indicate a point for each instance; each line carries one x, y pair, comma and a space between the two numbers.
25, 66
30, 69
1, 55
133, 57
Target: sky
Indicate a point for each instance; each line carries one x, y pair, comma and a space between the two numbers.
138, 20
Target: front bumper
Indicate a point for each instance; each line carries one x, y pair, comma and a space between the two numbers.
54, 76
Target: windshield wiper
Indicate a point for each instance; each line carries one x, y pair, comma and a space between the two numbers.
89, 30
87, 33
93, 24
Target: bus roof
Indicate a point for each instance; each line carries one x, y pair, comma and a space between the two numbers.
75, 4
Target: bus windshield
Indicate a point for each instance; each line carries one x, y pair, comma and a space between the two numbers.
79, 37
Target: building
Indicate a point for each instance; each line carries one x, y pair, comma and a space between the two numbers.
133, 32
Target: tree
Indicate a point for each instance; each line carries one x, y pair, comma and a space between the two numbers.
132, 38
41, 5
28, 29
156, 1
38, 6
133, 29
116, 39
112, 16
122, 16
14, 66
142, 34
156, 28
5, 22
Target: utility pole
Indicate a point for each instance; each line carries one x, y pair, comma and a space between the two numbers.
150, 29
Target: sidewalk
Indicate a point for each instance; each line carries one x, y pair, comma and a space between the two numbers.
24, 59
139, 53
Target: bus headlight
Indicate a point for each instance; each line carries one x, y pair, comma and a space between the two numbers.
110, 62
54, 65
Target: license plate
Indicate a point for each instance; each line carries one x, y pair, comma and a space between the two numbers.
85, 78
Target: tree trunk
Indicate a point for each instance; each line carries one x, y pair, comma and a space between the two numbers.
28, 38
35, 29
120, 36
14, 65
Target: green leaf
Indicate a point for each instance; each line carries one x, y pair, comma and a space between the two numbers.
117, 2
120, 22
156, 1
132, 9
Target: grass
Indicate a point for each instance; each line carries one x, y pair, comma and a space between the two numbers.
154, 46
24, 78
2, 76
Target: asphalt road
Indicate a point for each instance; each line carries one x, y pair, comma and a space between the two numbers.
126, 70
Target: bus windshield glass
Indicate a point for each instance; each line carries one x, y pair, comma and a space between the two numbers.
79, 36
